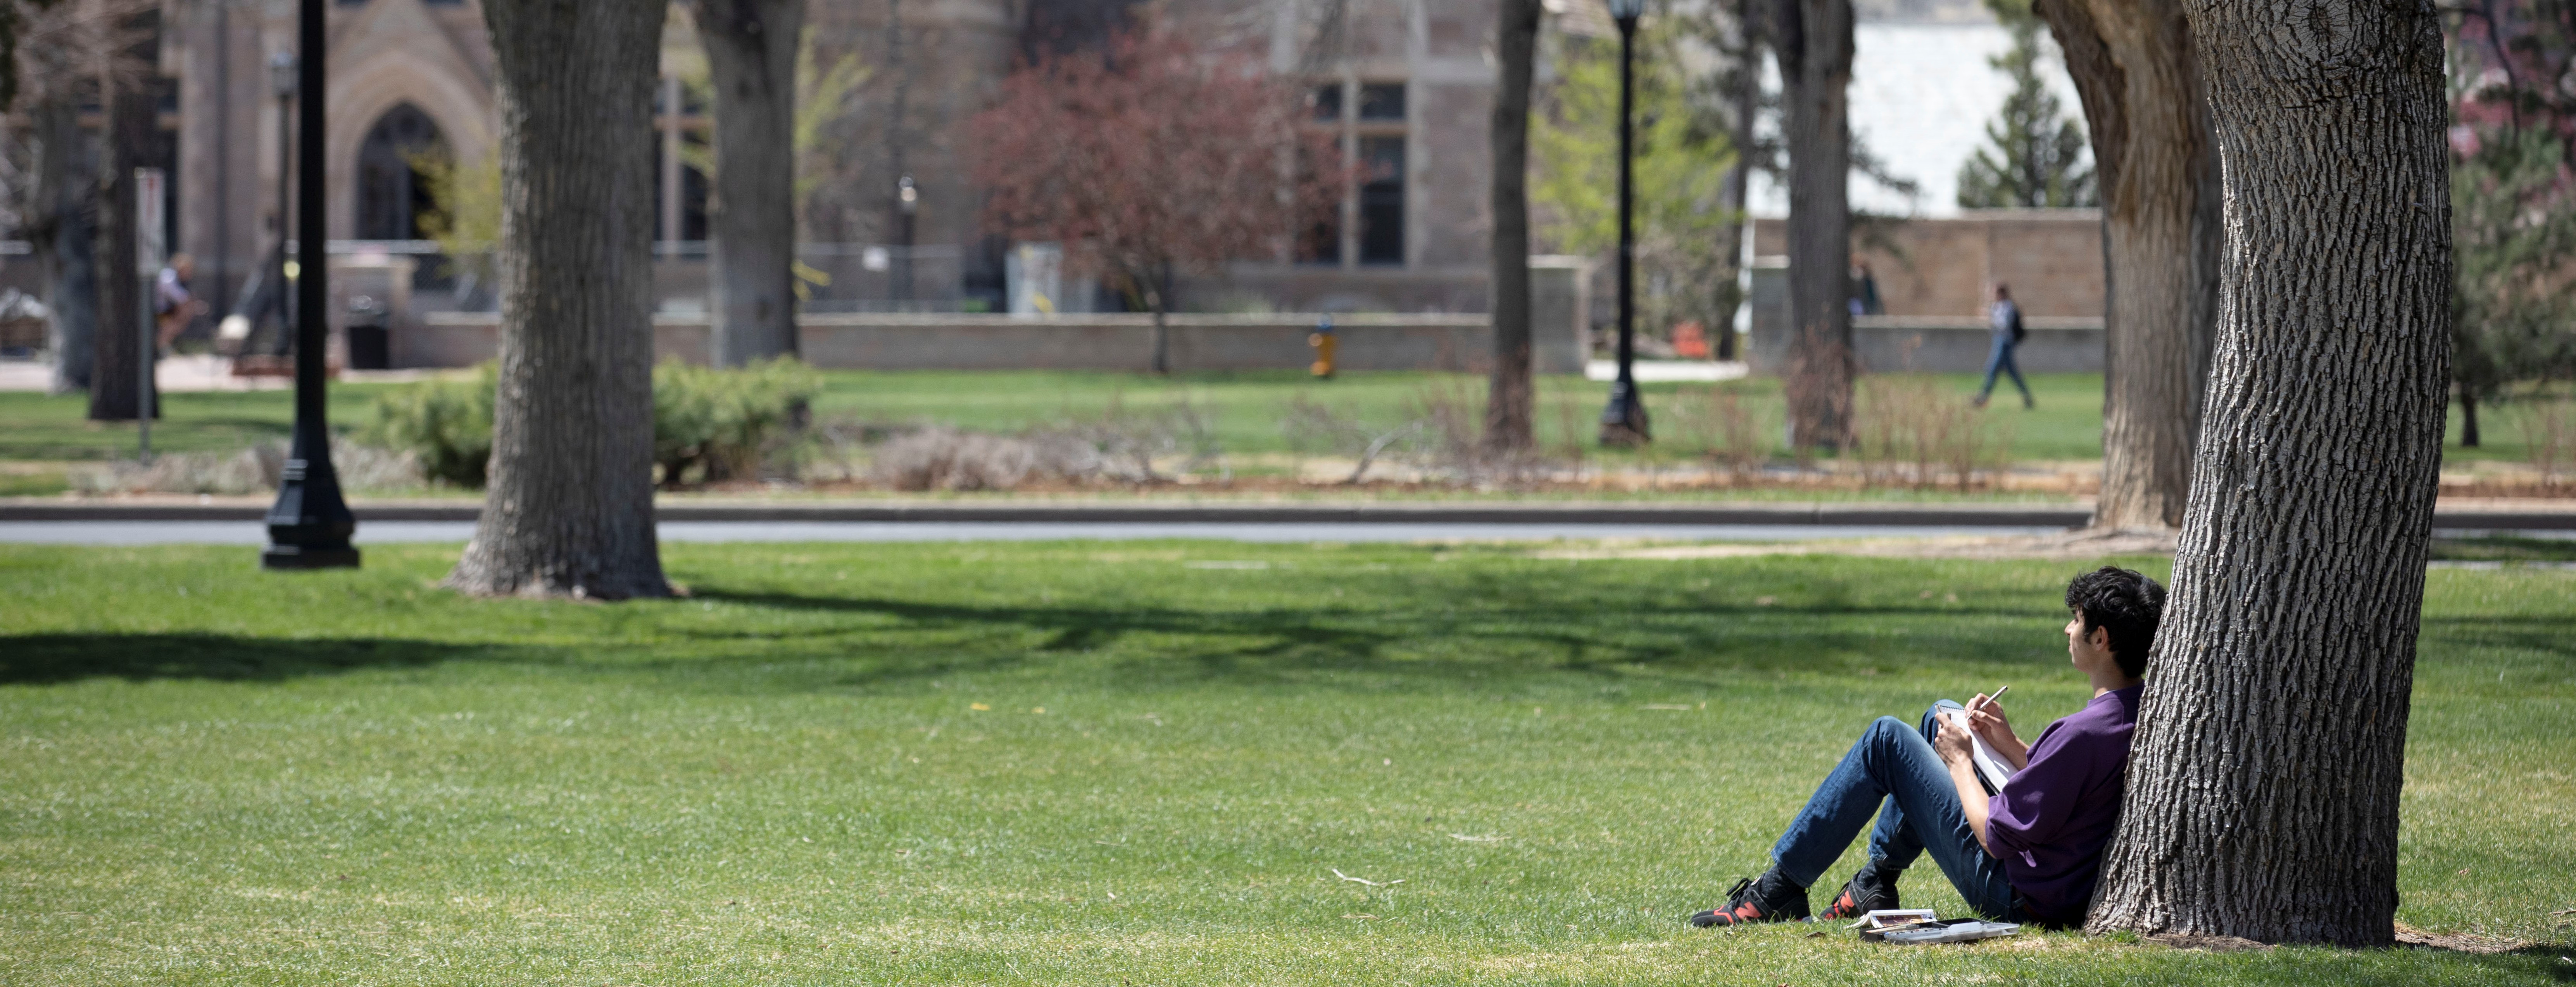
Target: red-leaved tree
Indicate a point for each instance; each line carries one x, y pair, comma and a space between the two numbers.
1149, 157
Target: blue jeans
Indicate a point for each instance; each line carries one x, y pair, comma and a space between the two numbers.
1892, 771
2001, 358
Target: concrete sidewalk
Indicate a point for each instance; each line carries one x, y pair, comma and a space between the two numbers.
199, 372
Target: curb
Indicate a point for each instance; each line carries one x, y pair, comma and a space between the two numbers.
1814, 514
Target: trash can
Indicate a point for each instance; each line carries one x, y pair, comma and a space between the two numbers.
370, 339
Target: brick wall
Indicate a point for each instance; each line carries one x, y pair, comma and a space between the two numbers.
1932, 276
1939, 267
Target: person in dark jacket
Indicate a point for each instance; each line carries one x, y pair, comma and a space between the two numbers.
2006, 318
2030, 851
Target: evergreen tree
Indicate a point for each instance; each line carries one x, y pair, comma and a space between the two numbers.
2035, 152
2513, 237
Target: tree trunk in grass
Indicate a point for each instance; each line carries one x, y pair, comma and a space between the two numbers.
2469, 437
1813, 39
1744, 98
62, 228
2264, 780
751, 56
570, 508
2133, 64
1508, 393
119, 352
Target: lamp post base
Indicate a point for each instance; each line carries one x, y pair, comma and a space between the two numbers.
1623, 423
300, 557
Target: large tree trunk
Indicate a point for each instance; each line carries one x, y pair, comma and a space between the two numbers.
1508, 394
2469, 438
2133, 65
1813, 39
120, 352
751, 54
63, 234
570, 507
2264, 779
1744, 100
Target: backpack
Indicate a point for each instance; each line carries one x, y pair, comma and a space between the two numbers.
2017, 331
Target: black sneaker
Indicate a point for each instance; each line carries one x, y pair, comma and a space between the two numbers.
1772, 899
1868, 891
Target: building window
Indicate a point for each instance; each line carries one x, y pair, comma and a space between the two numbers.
1382, 101
1381, 194
1366, 123
392, 193
1326, 101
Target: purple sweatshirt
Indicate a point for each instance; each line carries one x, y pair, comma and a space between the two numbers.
2051, 821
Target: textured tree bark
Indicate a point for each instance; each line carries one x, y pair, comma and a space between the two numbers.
2264, 777
2135, 70
117, 347
569, 510
1509, 392
1813, 39
62, 235
751, 55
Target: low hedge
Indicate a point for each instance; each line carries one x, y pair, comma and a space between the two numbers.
708, 424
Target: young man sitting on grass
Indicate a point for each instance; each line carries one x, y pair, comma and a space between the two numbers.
2028, 853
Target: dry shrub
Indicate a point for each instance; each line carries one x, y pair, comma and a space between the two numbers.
1315, 427
1125, 445
1456, 447
247, 471
1441, 436
1119, 445
1728, 430
947, 459
1573, 433
2549, 430
1907, 431
1818, 385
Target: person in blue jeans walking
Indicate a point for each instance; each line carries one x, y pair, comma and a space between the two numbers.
2030, 852
2006, 318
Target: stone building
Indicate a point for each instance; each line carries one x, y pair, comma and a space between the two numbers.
1405, 84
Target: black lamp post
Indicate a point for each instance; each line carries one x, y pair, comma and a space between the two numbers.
309, 526
1623, 423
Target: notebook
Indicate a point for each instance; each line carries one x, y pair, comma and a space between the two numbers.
1991, 766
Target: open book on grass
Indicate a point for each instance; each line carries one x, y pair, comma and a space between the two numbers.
1991, 766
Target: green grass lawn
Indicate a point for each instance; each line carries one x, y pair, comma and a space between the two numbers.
1092, 763
37, 426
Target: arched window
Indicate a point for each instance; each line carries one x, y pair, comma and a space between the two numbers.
392, 194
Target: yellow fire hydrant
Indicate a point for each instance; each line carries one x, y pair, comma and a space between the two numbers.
1322, 340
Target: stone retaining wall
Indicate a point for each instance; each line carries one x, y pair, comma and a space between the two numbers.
1366, 341
1071, 342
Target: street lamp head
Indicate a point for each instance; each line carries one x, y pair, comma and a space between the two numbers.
282, 74
1626, 12
907, 195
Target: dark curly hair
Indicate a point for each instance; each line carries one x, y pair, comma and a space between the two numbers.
2124, 602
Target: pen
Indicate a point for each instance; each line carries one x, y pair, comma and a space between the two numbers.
1991, 697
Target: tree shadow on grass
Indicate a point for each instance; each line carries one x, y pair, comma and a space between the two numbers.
1292, 644
39, 659
2541, 635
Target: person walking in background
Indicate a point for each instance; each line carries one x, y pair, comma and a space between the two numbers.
172, 306
2006, 318
1864, 300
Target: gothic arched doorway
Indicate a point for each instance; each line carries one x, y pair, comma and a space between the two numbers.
392, 194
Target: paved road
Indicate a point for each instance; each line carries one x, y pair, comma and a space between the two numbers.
388, 532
